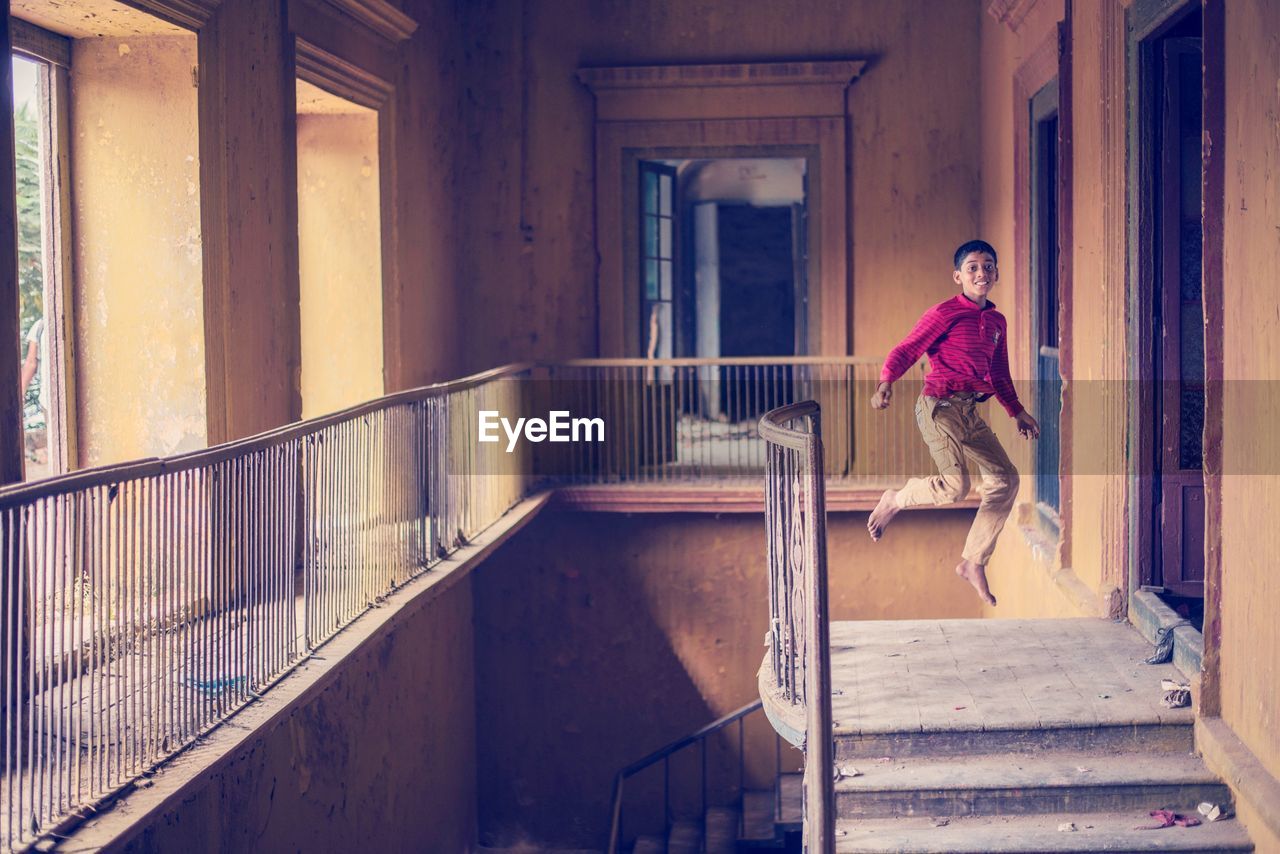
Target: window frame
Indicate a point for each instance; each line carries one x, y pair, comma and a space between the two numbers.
53, 52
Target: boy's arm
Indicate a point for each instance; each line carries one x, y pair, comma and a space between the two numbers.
1001, 381
928, 329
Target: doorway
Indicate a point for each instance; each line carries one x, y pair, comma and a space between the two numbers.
1171, 72
723, 264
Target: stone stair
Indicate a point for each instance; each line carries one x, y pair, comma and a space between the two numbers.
952, 798
772, 821
1011, 736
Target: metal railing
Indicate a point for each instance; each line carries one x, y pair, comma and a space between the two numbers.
142, 604
799, 630
687, 420
734, 797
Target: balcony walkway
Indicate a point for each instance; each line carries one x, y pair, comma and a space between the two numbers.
991, 735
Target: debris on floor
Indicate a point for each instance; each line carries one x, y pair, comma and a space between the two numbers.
847, 771
941, 822
1067, 827
1164, 643
1168, 818
1214, 812
1175, 697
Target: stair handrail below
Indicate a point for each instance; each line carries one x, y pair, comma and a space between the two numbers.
799, 628
665, 752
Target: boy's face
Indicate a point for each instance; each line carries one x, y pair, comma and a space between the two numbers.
977, 275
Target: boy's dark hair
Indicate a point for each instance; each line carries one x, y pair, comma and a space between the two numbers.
974, 246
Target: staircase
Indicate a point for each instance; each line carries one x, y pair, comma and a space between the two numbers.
757, 820
771, 823
1001, 736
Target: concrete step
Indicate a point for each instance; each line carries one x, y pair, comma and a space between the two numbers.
961, 741
791, 801
1016, 784
759, 809
1036, 834
649, 845
721, 829
685, 837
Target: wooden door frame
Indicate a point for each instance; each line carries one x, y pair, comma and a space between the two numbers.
1145, 21
1048, 60
1213, 203
796, 109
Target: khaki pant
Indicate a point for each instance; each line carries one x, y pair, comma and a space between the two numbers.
957, 435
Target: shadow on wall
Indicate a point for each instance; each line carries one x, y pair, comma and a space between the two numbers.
602, 637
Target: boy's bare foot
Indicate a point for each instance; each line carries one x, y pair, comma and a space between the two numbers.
883, 514
976, 574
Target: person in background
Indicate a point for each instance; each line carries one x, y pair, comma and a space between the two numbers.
36, 363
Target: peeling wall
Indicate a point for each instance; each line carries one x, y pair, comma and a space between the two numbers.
1250, 651
339, 260
602, 637
136, 225
529, 276
1020, 575
381, 759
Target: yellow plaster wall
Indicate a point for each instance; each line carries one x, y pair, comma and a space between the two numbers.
601, 637
339, 260
1098, 393
137, 258
1250, 640
530, 271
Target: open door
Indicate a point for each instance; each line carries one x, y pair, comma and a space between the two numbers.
1179, 301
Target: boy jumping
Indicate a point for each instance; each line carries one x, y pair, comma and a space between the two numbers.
964, 338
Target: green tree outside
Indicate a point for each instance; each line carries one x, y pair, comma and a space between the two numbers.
26, 132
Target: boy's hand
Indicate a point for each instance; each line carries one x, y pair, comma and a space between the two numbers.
1028, 427
880, 400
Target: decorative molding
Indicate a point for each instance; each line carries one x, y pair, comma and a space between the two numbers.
774, 109
842, 72
379, 16
708, 92
1011, 13
192, 14
335, 74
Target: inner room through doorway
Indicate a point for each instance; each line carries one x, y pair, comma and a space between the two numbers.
723, 260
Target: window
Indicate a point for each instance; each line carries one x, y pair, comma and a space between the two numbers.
110, 242
1044, 298
339, 251
657, 258
39, 89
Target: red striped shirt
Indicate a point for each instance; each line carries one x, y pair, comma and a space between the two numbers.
967, 352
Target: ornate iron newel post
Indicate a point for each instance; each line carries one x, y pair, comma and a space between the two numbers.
799, 624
